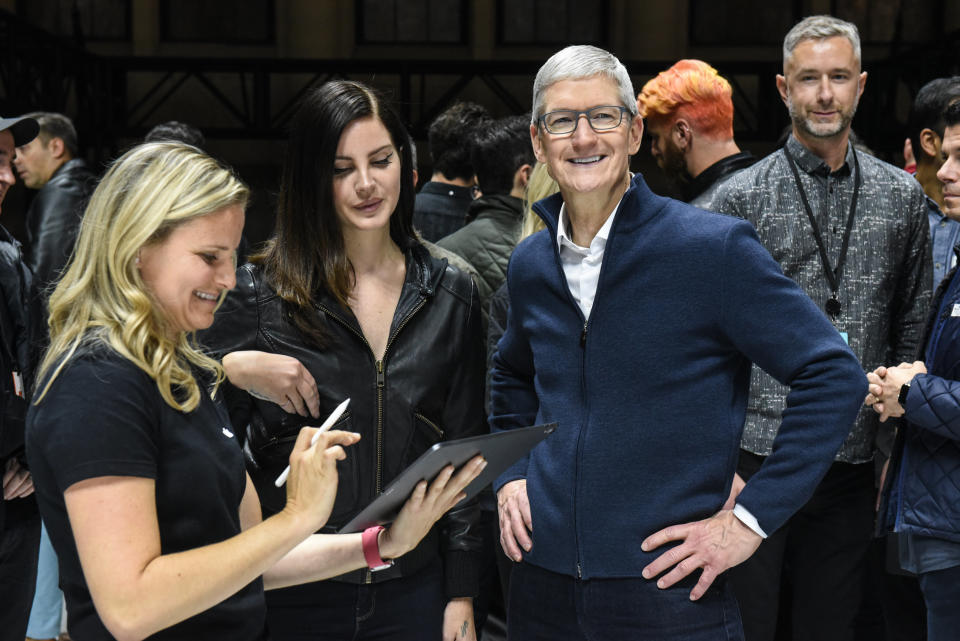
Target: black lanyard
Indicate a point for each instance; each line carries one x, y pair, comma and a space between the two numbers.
832, 306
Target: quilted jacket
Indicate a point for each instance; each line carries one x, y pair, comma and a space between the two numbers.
486, 242
924, 496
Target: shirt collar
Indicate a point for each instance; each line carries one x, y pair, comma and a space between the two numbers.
933, 207
811, 163
599, 241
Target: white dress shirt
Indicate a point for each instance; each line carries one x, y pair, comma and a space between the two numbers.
581, 265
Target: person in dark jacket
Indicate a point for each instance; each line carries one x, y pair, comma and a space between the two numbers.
19, 518
50, 164
346, 303
689, 119
503, 158
633, 323
923, 482
441, 205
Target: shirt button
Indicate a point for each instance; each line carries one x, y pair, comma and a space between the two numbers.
450, 193
939, 265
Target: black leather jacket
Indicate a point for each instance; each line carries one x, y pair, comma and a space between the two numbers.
53, 220
428, 387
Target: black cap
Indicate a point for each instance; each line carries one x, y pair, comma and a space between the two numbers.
24, 129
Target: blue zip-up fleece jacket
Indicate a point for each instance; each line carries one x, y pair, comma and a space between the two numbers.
650, 393
925, 495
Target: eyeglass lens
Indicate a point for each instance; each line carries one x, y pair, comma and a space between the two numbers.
565, 121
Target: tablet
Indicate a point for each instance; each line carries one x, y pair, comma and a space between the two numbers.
500, 449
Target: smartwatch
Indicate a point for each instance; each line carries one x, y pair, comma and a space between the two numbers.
371, 549
902, 396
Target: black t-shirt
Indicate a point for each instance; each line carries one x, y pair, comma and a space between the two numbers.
103, 416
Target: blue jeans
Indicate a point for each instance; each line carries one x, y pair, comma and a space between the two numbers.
941, 592
48, 600
546, 605
403, 609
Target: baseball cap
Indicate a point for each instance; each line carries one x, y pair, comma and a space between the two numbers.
24, 129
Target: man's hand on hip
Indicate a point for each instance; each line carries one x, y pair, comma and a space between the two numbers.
515, 523
715, 545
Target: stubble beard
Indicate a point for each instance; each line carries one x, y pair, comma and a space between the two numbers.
820, 130
674, 166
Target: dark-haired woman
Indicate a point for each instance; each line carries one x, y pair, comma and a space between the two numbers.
346, 303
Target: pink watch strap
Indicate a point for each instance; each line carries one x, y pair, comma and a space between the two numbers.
371, 548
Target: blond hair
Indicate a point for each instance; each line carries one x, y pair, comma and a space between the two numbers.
540, 185
101, 299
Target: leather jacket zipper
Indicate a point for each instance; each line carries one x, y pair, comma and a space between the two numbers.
381, 380
381, 383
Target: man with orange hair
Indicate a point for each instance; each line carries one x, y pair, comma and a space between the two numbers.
689, 117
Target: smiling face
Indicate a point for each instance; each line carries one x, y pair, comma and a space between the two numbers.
949, 173
821, 87
366, 176
188, 270
587, 161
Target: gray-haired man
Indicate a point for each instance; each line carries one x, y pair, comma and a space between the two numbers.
633, 322
852, 231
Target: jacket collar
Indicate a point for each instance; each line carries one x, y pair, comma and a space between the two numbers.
715, 172
424, 273
500, 205
7, 237
446, 189
638, 206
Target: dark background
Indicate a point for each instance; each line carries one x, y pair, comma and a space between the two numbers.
236, 69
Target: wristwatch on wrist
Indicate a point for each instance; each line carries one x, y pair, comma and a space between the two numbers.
902, 396
371, 549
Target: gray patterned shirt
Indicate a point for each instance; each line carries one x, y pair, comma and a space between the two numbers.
885, 284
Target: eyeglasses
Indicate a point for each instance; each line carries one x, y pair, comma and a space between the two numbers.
565, 121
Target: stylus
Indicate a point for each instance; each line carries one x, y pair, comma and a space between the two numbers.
327, 424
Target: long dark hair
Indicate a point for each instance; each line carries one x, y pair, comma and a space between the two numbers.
306, 253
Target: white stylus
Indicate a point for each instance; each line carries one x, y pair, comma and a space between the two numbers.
327, 424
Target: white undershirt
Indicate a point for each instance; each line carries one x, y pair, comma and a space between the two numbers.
581, 267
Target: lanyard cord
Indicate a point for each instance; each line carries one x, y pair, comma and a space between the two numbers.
832, 274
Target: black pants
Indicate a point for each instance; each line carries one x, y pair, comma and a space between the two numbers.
894, 610
19, 551
816, 562
494, 572
402, 609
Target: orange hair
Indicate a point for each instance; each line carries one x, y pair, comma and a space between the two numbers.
694, 90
